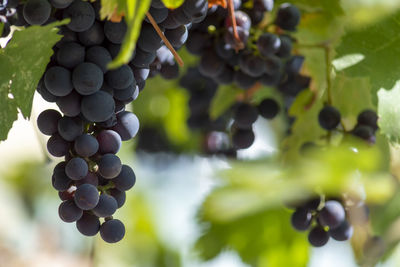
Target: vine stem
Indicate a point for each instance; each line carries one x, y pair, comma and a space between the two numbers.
328, 69
165, 40
233, 18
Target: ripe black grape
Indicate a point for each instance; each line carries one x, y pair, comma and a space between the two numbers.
149, 40
70, 128
288, 17
268, 44
98, 107
112, 231
268, 108
332, 214
329, 118
106, 207
58, 81
86, 196
120, 196
86, 145
125, 180
69, 212
109, 166
318, 237
76, 168
115, 32
243, 138
37, 12
127, 125
301, 219
47, 121
87, 78
245, 115
81, 14
343, 232
99, 56
178, 36
57, 146
88, 224
369, 118
70, 104
60, 181
61, 3
70, 55
120, 78
109, 141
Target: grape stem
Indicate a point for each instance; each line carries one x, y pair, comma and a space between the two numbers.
239, 44
165, 40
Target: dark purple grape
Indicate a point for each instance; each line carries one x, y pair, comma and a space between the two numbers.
343, 232
86, 196
109, 142
288, 17
109, 166
76, 169
332, 214
88, 224
369, 118
245, 115
47, 121
112, 231
125, 180
106, 207
268, 108
69, 212
329, 118
301, 219
318, 237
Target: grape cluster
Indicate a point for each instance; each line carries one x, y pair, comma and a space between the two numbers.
328, 219
256, 56
91, 180
329, 119
8, 11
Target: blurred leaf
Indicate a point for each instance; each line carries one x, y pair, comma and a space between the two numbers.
377, 43
224, 98
23, 62
173, 3
389, 113
262, 239
332, 171
135, 11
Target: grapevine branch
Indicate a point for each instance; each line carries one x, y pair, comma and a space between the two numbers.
165, 40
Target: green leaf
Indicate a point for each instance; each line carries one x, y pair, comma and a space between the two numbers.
224, 98
333, 170
23, 61
389, 113
173, 3
377, 43
262, 239
135, 12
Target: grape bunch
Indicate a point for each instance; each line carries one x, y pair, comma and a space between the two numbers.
367, 123
8, 11
246, 59
91, 180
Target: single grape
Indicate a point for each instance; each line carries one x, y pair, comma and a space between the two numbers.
109, 166
70, 104
125, 180
36, 12
90, 178
127, 125
98, 107
61, 3
76, 169
243, 138
82, 16
86, 196
252, 65
178, 36
70, 128
329, 118
149, 40
210, 65
245, 115
87, 78
88, 224
106, 207
57, 146
268, 44
120, 196
332, 214
47, 121
70, 55
86, 145
112, 231
142, 59
69, 212
159, 14
58, 81
268, 108
109, 141
120, 78
288, 17
93, 36
318, 237
343, 232
115, 32
301, 219
369, 118
60, 181
364, 132
99, 56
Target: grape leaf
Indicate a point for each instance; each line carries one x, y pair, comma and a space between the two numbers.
262, 239
389, 113
224, 98
173, 3
377, 43
23, 62
135, 11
